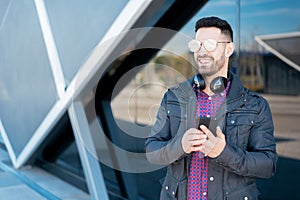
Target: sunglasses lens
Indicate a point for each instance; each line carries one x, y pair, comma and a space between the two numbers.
210, 44
194, 45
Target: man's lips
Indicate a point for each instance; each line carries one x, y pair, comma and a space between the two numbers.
204, 60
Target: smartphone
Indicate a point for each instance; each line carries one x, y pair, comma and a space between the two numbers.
210, 123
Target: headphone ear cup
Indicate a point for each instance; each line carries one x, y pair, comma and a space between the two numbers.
218, 84
199, 81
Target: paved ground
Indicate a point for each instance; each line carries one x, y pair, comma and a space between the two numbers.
33, 184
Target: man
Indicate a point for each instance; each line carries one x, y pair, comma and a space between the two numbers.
215, 135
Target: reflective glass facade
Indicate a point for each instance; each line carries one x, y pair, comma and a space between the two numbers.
97, 136
274, 22
27, 86
78, 30
258, 68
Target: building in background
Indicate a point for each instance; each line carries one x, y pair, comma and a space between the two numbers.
81, 82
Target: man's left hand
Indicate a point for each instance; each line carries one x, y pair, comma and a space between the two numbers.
214, 145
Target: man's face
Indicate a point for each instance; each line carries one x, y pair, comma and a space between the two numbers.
212, 62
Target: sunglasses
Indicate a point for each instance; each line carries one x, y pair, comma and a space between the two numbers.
209, 45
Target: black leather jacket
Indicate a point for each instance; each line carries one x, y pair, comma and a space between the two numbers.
250, 151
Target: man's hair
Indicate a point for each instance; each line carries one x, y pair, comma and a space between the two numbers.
223, 25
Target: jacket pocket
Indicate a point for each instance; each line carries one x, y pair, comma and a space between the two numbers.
239, 125
245, 192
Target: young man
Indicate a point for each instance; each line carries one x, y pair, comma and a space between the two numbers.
215, 135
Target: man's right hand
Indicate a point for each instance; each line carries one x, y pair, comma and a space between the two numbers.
192, 140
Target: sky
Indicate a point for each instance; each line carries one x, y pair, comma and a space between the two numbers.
258, 17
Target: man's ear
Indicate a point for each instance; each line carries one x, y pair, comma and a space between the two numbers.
229, 49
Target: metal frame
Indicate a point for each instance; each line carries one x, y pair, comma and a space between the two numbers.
90, 164
51, 48
260, 39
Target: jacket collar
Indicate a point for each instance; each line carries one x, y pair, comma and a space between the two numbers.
236, 89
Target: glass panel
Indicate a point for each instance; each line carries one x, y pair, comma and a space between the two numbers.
267, 17
259, 70
288, 47
257, 67
1, 140
78, 29
138, 102
27, 90
4, 4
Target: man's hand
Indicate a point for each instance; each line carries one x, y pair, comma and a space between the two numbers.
214, 145
192, 140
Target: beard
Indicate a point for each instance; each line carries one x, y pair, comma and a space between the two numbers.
208, 65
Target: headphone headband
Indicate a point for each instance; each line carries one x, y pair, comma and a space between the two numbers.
217, 85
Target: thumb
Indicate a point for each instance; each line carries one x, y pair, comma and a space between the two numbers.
219, 132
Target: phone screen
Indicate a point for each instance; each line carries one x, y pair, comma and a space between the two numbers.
210, 123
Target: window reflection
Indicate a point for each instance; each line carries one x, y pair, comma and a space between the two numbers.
138, 102
260, 70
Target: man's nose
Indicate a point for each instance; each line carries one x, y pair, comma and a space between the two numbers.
201, 50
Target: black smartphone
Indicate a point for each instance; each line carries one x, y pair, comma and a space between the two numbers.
210, 123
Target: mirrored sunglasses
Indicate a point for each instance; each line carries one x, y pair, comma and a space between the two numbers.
209, 45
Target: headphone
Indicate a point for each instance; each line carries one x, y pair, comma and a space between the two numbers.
217, 85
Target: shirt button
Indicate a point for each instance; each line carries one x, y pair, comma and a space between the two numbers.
168, 112
209, 98
246, 198
204, 193
207, 115
167, 187
211, 178
232, 121
173, 193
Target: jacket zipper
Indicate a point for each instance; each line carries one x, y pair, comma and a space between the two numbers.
173, 102
244, 111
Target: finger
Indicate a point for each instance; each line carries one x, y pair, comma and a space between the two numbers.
198, 142
194, 133
198, 137
219, 132
195, 148
207, 132
194, 130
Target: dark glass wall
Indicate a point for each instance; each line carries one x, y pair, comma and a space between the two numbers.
260, 70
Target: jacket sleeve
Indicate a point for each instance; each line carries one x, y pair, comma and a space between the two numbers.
259, 158
162, 147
